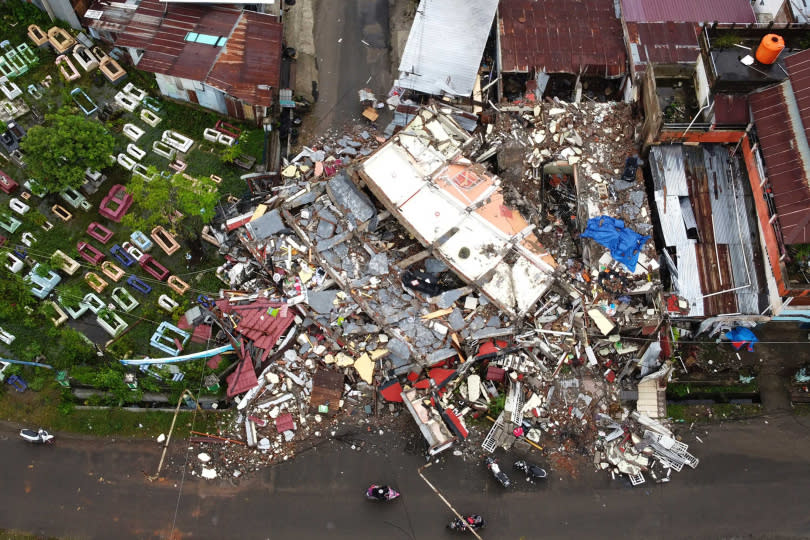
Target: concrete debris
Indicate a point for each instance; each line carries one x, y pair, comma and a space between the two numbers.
449, 307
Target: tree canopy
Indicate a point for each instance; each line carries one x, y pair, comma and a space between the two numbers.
159, 200
63, 147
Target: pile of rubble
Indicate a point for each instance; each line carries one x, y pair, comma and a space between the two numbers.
404, 271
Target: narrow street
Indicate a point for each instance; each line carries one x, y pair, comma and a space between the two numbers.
351, 40
752, 481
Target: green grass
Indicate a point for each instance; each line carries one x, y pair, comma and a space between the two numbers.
682, 390
719, 412
42, 409
8, 534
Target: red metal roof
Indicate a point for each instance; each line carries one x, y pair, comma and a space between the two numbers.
663, 43
786, 173
561, 36
250, 58
731, 109
696, 11
243, 378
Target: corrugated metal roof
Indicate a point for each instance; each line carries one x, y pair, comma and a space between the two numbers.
667, 163
561, 36
731, 109
798, 67
663, 43
724, 11
780, 134
250, 58
445, 45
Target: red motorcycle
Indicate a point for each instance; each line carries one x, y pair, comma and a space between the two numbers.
381, 493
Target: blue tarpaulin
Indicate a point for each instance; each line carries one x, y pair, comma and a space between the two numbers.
740, 336
624, 244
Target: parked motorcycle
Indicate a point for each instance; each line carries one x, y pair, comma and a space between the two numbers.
495, 469
37, 437
532, 471
381, 493
472, 522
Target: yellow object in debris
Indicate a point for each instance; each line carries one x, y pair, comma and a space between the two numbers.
371, 114
259, 212
365, 368
378, 353
438, 313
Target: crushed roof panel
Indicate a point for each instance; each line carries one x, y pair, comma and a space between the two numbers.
445, 45
696, 11
561, 36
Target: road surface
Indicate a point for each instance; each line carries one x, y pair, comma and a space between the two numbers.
753, 481
351, 41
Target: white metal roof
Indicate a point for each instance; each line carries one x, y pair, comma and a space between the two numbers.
445, 45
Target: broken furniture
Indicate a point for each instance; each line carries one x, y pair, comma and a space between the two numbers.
61, 213
37, 35
164, 240
116, 203
153, 268
65, 263
42, 285
137, 284
111, 69
177, 285
66, 68
85, 58
122, 256
110, 322
60, 40
176, 140
93, 302
99, 232
89, 253
84, 102
140, 241
112, 271
164, 340
124, 299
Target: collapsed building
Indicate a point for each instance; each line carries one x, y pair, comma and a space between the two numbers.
408, 271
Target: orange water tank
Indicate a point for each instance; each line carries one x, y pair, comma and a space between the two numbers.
769, 48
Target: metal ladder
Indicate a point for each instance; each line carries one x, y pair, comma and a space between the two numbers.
494, 436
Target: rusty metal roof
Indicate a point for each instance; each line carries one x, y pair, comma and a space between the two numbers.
662, 43
798, 68
561, 36
696, 11
250, 58
781, 135
731, 109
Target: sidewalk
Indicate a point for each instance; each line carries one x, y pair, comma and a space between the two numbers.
299, 22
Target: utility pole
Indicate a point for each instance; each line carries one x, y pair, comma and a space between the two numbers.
445, 501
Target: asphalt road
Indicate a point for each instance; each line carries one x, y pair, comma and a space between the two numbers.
351, 40
753, 481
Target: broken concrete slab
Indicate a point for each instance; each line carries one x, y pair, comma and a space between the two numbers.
348, 197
